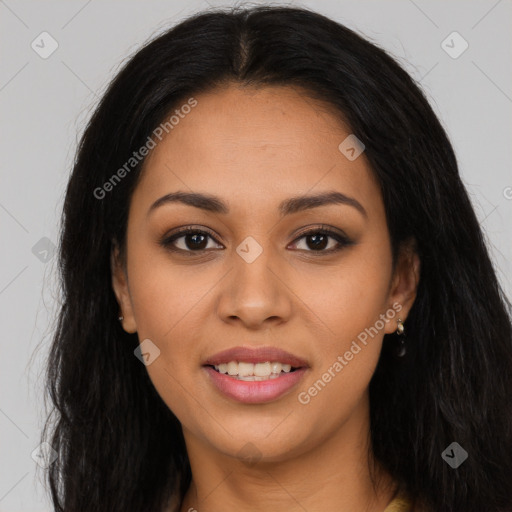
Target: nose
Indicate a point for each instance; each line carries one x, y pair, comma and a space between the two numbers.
256, 294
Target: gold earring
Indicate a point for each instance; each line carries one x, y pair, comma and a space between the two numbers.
401, 348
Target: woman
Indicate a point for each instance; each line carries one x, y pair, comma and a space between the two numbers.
276, 292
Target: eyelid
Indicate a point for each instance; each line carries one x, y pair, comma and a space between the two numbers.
168, 239
323, 228
341, 238
191, 228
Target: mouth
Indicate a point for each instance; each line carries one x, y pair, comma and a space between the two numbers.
251, 372
254, 375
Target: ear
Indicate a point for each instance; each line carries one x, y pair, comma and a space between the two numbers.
121, 290
404, 283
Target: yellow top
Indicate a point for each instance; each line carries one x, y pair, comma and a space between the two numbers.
400, 503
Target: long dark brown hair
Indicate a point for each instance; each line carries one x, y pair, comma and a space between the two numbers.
119, 446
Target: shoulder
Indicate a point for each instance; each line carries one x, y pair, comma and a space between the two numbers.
400, 503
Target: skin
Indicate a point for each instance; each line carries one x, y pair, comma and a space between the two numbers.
254, 148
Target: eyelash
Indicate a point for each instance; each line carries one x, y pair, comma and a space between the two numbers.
167, 241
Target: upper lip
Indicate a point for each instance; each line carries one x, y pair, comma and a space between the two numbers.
255, 355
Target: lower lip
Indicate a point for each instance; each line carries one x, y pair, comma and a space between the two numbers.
255, 392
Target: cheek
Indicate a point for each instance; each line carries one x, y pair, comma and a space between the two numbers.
349, 303
166, 302
347, 297
164, 294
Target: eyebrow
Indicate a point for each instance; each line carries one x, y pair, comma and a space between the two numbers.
289, 206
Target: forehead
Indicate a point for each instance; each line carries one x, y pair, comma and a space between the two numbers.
254, 145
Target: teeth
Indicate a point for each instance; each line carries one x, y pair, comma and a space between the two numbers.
245, 369
254, 377
251, 371
233, 368
262, 369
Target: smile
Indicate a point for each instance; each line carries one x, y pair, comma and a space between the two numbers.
254, 372
254, 375
250, 388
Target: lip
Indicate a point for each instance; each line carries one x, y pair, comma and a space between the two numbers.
254, 392
256, 355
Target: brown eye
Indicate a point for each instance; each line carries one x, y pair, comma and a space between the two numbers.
189, 240
317, 241
194, 240
322, 241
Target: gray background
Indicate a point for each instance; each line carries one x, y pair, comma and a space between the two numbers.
45, 102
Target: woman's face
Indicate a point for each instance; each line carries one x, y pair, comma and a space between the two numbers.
252, 277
